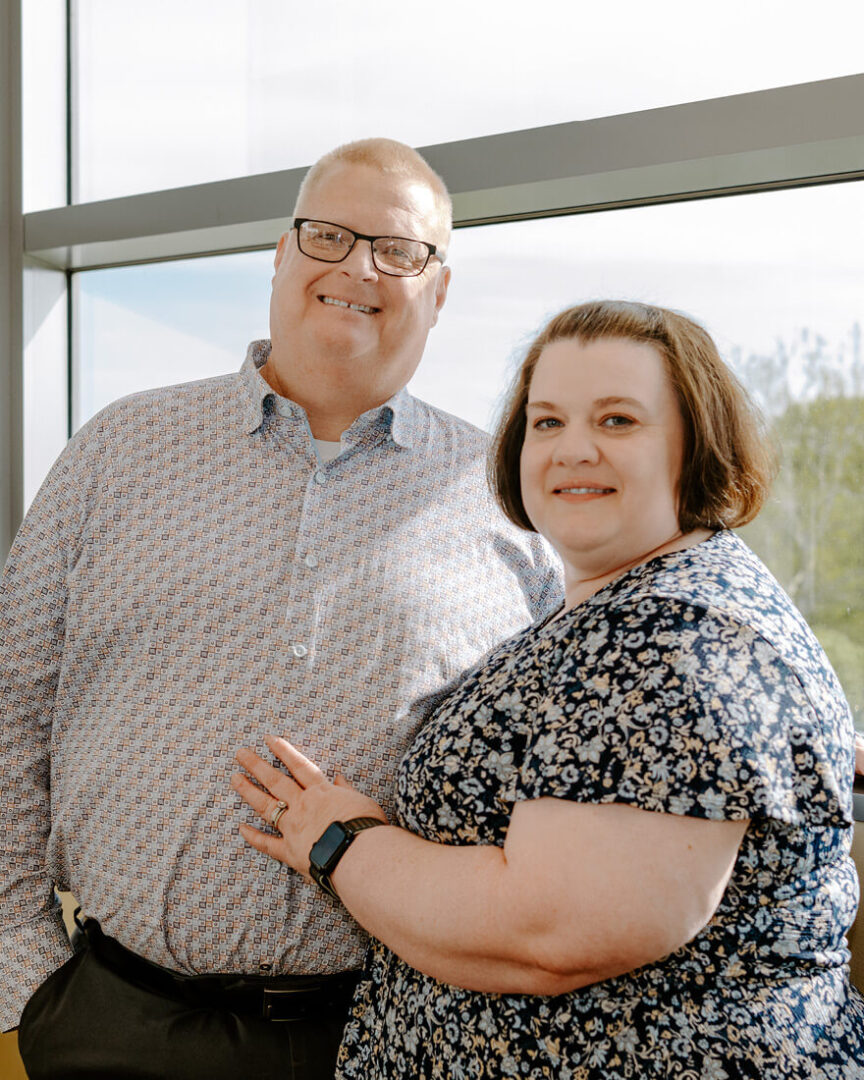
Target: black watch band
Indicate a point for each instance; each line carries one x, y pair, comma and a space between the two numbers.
332, 845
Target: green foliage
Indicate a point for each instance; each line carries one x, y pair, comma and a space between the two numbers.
847, 659
811, 533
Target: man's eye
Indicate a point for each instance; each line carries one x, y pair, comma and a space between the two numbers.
396, 252
326, 236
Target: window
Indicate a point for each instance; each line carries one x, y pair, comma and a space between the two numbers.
171, 94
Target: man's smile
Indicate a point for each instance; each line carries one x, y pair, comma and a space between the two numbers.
336, 302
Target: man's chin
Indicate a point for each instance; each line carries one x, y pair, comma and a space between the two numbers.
348, 344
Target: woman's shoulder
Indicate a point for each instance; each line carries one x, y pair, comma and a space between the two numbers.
719, 584
721, 573
718, 598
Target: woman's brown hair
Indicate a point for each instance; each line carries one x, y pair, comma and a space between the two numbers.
728, 461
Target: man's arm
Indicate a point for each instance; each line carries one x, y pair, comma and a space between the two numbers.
33, 597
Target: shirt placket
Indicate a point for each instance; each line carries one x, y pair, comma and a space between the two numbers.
306, 585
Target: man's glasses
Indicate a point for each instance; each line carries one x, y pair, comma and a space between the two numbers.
394, 255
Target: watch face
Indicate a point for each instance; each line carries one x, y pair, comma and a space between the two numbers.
325, 853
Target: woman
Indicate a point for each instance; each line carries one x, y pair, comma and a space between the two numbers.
622, 841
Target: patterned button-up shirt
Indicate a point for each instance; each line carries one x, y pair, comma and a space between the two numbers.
189, 578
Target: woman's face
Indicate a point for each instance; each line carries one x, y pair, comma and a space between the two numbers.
602, 454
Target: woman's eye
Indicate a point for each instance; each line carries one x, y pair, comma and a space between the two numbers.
616, 421
546, 422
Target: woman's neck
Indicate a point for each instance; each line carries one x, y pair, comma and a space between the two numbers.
578, 588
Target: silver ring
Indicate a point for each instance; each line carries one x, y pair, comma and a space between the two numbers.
278, 811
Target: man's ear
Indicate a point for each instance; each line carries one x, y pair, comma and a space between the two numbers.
441, 287
280, 250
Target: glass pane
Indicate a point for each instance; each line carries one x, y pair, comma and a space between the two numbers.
777, 278
43, 93
45, 374
162, 323
170, 94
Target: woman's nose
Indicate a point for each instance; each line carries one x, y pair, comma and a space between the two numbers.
577, 445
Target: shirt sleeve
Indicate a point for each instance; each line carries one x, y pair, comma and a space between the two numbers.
677, 709
32, 627
545, 589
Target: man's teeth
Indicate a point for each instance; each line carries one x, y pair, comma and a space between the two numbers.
344, 303
584, 491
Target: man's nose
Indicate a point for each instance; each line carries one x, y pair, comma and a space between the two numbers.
359, 261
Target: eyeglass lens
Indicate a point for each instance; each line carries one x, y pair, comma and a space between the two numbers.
390, 254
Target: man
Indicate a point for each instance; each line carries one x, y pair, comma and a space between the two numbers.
301, 548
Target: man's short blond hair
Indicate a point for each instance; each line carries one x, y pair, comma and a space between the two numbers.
396, 159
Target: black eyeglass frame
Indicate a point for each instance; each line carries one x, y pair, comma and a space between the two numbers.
431, 249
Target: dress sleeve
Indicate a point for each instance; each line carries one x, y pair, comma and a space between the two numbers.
32, 628
679, 709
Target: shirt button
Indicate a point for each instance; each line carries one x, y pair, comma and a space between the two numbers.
320, 477
299, 651
310, 561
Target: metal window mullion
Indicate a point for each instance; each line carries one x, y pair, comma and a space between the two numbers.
807, 134
11, 278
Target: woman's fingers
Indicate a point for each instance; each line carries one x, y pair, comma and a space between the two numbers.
274, 780
277, 790
261, 801
304, 771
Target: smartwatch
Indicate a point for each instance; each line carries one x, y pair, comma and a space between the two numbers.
332, 845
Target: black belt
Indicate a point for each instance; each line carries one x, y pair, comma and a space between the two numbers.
280, 997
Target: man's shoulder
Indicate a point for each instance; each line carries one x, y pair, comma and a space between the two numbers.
437, 425
164, 407
179, 396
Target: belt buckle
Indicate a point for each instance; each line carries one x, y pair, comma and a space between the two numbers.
273, 996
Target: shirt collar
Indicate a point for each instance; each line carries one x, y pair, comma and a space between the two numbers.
398, 415
256, 390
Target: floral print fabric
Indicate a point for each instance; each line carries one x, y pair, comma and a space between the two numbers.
690, 685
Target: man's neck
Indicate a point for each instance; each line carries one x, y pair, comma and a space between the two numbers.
329, 409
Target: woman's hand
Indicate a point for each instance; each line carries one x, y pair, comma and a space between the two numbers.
312, 803
859, 753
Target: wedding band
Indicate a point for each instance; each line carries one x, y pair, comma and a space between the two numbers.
278, 811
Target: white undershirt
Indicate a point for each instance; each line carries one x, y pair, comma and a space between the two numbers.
326, 451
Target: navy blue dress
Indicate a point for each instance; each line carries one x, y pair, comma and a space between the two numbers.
691, 685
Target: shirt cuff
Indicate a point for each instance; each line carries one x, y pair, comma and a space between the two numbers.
28, 955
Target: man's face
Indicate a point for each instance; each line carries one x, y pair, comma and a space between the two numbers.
379, 346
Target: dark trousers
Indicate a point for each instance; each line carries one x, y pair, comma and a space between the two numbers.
101, 1017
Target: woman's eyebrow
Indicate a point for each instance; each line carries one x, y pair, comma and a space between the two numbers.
615, 400
599, 402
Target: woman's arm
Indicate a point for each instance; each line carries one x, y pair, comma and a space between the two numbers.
579, 893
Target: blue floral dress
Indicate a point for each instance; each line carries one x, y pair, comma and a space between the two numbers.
690, 685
